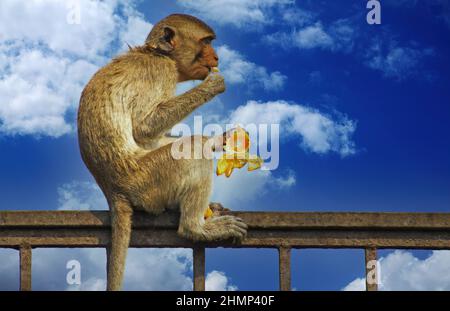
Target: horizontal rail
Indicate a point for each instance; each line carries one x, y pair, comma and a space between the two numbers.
24, 230
266, 229
256, 220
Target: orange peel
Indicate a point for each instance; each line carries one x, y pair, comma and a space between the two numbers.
208, 213
236, 154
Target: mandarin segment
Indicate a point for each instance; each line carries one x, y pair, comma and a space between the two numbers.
254, 164
236, 154
208, 213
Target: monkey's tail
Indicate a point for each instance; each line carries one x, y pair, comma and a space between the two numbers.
121, 217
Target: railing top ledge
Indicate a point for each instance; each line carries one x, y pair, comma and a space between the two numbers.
266, 229
255, 220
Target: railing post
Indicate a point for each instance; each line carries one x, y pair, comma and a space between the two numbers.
371, 269
199, 268
25, 267
108, 254
284, 254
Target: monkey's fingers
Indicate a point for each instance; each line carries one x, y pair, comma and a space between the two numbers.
237, 140
217, 207
230, 220
240, 229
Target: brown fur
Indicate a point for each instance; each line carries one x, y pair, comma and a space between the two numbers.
125, 111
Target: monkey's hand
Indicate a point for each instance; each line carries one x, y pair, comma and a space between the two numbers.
214, 84
219, 142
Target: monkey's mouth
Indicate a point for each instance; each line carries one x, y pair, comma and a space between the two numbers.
212, 69
205, 70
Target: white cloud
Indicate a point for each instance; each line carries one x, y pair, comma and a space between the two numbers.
136, 29
400, 270
243, 188
285, 181
218, 281
338, 36
92, 284
81, 196
239, 13
146, 269
37, 92
158, 269
9, 269
318, 132
297, 16
397, 62
46, 22
344, 34
237, 70
46, 61
312, 37
356, 285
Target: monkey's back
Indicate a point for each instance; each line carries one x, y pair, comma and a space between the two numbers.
116, 96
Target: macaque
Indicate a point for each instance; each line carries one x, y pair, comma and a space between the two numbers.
126, 110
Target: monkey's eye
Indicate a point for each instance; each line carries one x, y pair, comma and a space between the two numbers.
207, 40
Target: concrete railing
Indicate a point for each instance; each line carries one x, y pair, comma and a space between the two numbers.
25, 230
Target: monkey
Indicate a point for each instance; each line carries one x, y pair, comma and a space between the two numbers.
125, 111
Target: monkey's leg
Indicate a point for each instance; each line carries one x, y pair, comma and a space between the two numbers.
121, 213
187, 181
194, 226
194, 198
192, 207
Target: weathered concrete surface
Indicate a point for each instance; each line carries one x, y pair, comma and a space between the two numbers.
266, 229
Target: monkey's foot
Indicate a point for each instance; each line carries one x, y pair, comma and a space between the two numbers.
215, 229
225, 227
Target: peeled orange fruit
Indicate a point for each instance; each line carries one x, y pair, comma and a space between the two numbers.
236, 154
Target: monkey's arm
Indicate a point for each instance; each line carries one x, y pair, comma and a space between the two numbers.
170, 112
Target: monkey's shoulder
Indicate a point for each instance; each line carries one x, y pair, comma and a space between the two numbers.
135, 68
135, 63
142, 70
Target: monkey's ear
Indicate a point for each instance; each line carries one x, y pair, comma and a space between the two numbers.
166, 43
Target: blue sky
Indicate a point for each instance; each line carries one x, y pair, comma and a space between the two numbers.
375, 98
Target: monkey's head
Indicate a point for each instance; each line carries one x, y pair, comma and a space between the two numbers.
187, 40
